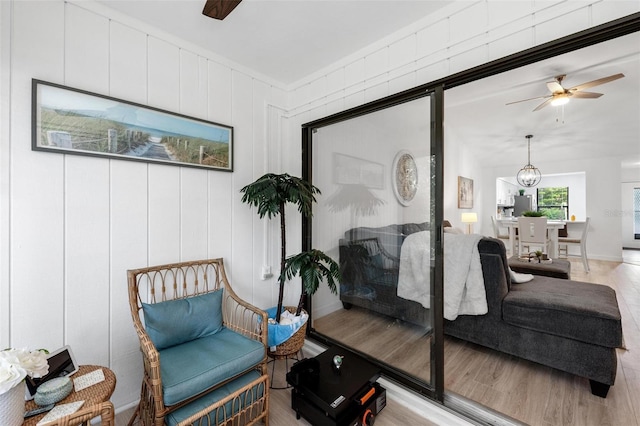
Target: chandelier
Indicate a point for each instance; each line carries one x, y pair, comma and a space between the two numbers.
529, 175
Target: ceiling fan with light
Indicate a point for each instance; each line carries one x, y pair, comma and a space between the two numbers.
219, 9
560, 96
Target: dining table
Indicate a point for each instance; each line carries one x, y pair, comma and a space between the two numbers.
552, 231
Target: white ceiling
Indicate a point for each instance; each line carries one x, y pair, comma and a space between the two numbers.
290, 39
284, 40
608, 126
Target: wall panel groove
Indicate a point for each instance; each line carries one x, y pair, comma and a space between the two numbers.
74, 224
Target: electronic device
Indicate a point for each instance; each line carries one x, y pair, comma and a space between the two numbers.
61, 363
328, 394
38, 410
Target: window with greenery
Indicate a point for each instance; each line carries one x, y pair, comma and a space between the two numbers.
636, 213
554, 202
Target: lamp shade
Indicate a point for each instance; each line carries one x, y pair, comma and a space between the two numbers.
469, 218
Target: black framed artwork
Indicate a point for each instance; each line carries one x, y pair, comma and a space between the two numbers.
72, 121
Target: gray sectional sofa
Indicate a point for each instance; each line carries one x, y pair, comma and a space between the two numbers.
369, 263
568, 325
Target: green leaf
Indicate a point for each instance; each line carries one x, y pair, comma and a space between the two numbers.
270, 191
313, 267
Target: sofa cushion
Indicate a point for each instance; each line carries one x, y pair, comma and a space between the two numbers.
575, 310
195, 366
389, 237
410, 228
494, 246
177, 321
374, 267
231, 408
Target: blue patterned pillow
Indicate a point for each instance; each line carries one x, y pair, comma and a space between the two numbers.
177, 321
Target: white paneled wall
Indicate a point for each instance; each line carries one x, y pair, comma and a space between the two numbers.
77, 223
70, 226
453, 39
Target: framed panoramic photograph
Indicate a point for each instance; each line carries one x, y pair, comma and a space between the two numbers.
72, 121
465, 193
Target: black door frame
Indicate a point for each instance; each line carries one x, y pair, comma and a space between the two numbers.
588, 37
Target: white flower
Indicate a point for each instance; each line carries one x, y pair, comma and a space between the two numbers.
35, 362
10, 375
16, 364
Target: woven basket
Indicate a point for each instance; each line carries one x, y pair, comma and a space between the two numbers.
293, 344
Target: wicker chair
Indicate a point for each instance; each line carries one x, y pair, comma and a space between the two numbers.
82, 416
239, 397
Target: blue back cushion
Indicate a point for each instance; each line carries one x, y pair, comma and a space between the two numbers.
177, 321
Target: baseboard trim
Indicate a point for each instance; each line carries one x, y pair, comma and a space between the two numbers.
478, 412
126, 407
457, 411
320, 311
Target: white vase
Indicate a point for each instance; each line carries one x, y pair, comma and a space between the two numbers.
12, 406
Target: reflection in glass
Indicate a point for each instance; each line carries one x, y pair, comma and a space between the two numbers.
364, 219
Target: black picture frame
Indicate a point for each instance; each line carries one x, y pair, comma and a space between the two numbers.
67, 120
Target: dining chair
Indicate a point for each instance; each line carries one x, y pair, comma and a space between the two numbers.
565, 241
497, 234
532, 232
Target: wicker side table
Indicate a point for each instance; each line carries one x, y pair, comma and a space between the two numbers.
95, 394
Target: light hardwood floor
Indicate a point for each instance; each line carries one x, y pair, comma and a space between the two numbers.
528, 392
523, 390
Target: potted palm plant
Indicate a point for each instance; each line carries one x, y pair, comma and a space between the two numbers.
270, 194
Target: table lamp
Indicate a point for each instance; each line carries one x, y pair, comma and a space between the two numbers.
469, 219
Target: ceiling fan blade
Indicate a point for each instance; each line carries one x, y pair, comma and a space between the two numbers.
544, 104
586, 95
530, 99
219, 9
555, 87
596, 82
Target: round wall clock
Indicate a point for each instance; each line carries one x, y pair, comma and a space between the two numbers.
404, 177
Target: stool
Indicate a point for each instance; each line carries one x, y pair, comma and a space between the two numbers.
287, 350
558, 268
244, 400
286, 358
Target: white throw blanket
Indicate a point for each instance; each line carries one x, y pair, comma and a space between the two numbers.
413, 276
519, 278
464, 292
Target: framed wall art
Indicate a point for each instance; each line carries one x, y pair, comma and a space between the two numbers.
350, 170
73, 121
465, 193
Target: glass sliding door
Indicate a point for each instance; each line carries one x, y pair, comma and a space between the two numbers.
377, 216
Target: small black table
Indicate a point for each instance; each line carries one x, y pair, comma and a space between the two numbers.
326, 395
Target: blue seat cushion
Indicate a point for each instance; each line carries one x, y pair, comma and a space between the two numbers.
197, 365
253, 394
